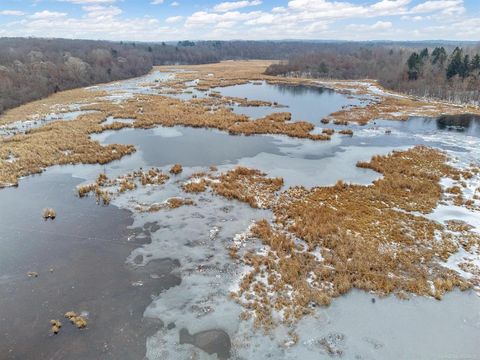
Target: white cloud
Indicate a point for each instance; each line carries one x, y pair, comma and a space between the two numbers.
379, 25
45, 14
100, 12
443, 5
391, 5
157, 2
173, 19
12, 12
234, 5
296, 19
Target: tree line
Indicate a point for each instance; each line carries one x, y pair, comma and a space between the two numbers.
32, 68
443, 71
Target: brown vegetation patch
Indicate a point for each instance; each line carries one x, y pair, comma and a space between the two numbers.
348, 132
195, 186
79, 321
56, 143
56, 325
49, 213
243, 184
171, 203
327, 240
176, 169
105, 188
247, 185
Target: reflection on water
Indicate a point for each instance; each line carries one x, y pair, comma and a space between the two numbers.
467, 124
308, 103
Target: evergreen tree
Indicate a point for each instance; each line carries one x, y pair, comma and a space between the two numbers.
424, 53
439, 55
475, 64
456, 65
466, 67
414, 63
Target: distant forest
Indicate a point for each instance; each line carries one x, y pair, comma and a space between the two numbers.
32, 68
439, 71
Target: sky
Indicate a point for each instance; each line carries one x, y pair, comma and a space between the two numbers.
172, 20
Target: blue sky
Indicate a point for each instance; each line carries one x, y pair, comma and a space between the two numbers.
169, 20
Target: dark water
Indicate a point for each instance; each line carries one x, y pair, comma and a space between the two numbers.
85, 246
465, 124
308, 103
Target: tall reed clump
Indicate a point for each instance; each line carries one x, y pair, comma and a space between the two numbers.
49, 213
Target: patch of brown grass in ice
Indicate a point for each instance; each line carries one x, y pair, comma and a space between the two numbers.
57, 103
171, 203
176, 169
105, 188
348, 132
195, 186
328, 240
247, 185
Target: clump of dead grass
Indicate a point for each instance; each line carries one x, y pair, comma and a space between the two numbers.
247, 185
348, 132
79, 321
49, 213
171, 203
105, 188
196, 186
56, 325
176, 169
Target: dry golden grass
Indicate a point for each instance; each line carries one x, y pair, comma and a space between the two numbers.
243, 184
56, 325
57, 103
174, 203
171, 203
346, 132
247, 185
176, 169
195, 186
105, 188
79, 321
57, 143
365, 237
